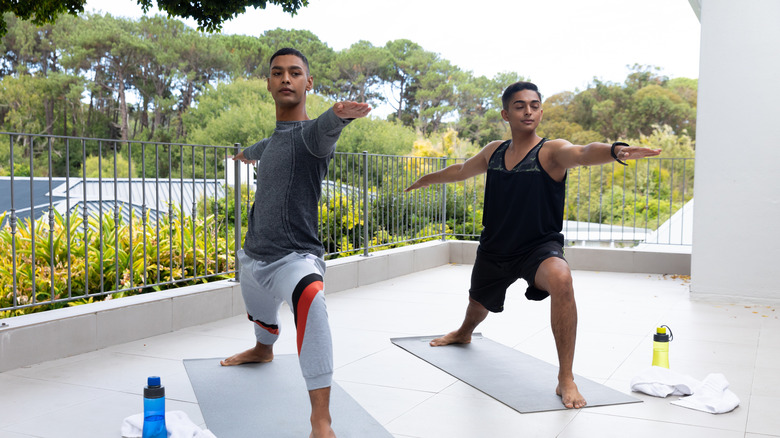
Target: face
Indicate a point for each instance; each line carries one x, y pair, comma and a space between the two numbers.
289, 80
524, 111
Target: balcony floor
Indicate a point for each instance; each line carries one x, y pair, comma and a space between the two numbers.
88, 395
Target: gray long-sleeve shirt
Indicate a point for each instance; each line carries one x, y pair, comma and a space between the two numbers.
292, 164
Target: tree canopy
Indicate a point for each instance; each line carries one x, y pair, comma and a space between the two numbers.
209, 14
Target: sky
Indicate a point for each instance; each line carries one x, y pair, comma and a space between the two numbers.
560, 45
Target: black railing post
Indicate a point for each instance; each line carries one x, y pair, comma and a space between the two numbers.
237, 208
444, 204
365, 203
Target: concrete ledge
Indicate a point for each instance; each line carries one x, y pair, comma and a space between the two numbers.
597, 259
359, 270
627, 260
44, 336
463, 252
40, 337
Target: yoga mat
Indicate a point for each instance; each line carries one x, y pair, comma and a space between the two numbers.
522, 382
270, 400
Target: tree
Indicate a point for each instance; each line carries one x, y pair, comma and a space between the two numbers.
661, 106
478, 100
238, 112
40, 12
248, 54
114, 48
408, 61
210, 14
436, 96
376, 136
38, 94
361, 68
201, 60
158, 69
641, 76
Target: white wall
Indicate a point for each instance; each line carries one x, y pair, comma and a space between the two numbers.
736, 249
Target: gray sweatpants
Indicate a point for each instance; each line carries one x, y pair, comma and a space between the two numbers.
297, 280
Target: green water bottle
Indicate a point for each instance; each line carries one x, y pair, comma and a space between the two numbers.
661, 346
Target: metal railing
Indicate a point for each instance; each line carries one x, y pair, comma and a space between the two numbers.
84, 219
153, 217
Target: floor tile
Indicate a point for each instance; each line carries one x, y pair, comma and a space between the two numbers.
763, 417
469, 417
766, 382
112, 409
22, 398
460, 389
385, 403
394, 367
589, 425
351, 345
769, 357
100, 371
7, 434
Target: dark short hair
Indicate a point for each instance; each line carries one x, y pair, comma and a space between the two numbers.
514, 88
290, 51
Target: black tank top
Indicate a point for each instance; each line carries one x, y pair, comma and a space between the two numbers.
523, 205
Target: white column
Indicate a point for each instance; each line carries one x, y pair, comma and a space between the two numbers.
736, 234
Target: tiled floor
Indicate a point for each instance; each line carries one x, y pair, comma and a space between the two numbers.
89, 395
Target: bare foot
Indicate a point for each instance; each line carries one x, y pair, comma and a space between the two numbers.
451, 338
570, 395
322, 430
260, 353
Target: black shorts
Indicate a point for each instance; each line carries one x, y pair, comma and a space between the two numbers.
491, 276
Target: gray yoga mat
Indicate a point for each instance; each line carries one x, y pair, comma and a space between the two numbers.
270, 400
522, 382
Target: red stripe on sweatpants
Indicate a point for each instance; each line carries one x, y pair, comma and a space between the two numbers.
270, 330
303, 309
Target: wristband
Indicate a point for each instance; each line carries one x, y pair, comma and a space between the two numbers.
614, 155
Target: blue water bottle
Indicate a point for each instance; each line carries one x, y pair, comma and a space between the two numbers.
154, 409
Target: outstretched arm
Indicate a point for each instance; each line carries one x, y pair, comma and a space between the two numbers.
474, 166
321, 136
251, 154
566, 155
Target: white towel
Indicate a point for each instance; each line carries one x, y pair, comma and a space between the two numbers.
178, 424
660, 382
713, 396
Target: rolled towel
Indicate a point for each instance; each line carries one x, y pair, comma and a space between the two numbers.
178, 424
661, 382
713, 396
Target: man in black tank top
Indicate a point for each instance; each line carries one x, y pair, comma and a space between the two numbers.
523, 219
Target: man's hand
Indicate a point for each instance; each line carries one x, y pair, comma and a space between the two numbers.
636, 153
419, 184
240, 157
351, 110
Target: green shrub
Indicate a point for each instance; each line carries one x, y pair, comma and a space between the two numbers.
136, 257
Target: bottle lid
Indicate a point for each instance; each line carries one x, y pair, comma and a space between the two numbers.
661, 335
154, 388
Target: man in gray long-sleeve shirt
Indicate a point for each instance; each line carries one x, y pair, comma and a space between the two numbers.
281, 260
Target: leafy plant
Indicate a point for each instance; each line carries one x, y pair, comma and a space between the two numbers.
108, 257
